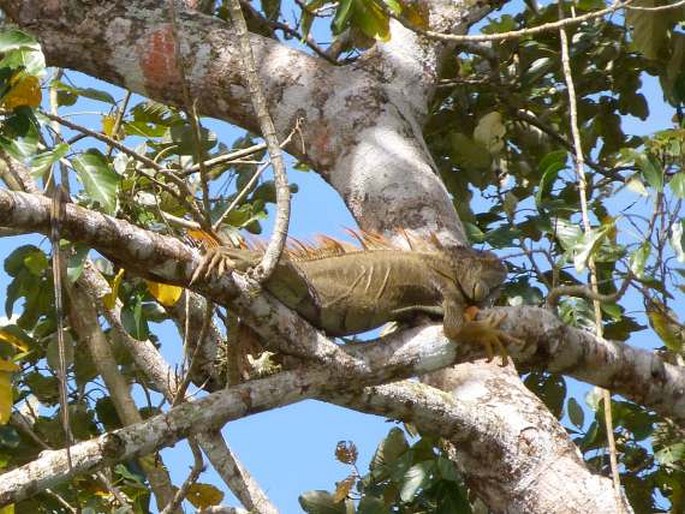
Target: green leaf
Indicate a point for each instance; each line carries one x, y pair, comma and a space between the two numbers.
98, 178
575, 413
16, 261
550, 165
502, 236
673, 81
133, 319
76, 262
677, 240
126, 473
84, 367
652, 171
390, 449
588, 244
20, 133
490, 132
451, 498
29, 60
42, 162
636, 185
371, 505
67, 95
184, 137
371, 19
9, 437
414, 479
52, 352
537, 69
271, 8
622, 329
467, 153
342, 16
204, 495
568, 234
638, 259
15, 39
551, 389
36, 263
671, 454
677, 185
46, 389
322, 502
650, 29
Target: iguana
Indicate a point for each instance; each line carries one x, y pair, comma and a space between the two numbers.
345, 290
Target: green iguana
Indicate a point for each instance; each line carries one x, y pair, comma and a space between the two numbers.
345, 290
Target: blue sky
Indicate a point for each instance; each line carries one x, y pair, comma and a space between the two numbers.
290, 450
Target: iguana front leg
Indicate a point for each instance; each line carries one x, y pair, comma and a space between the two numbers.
459, 323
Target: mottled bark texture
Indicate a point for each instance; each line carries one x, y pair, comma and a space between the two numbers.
362, 133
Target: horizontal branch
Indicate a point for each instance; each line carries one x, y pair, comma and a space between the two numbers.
412, 352
550, 344
211, 412
168, 260
216, 409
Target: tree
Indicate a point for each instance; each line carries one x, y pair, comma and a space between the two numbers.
514, 139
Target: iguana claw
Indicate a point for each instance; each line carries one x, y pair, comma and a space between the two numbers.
216, 261
486, 332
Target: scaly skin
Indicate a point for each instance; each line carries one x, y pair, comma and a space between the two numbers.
355, 291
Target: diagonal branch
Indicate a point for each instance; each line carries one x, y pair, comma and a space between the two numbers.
637, 374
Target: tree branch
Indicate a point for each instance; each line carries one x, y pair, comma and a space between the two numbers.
637, 374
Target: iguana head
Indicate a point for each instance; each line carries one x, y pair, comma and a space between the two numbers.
480, 275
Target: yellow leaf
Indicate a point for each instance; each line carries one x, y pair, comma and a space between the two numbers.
417, 13
610, 221
164, 293
10, 338
204, 495
666, 325
24, 90
7, 368
7, 509
343, 488
110, 299
108, 123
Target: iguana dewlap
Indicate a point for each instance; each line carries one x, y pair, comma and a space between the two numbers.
347, 292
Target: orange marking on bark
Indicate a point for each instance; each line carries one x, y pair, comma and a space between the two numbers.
159, 61
321, 141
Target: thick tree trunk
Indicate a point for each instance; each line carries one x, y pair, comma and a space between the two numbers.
362, 130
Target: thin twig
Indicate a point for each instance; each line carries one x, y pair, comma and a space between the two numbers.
308, 40
120, 118
183, 192
226, 158
585, 213
587, 292
277, 242
108, 140
195, 472
246, 189
513, 34
179, 395
191, 113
